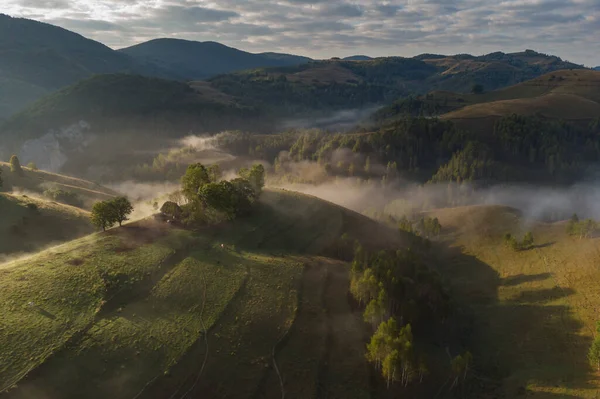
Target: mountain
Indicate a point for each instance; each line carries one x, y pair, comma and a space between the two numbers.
358, 58
493, 71
38, 58
200, 60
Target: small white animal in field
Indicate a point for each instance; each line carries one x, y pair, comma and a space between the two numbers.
222, 246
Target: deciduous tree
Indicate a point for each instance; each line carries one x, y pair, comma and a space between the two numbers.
103, 215
121, 209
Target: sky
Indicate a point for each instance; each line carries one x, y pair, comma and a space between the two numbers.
328, 28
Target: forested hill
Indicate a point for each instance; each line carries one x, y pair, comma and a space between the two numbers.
201, 60
122, 104
346, 84
37, 58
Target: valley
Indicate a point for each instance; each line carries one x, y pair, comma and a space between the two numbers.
183, 219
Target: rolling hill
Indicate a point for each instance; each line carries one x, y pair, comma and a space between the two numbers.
30, 223
535, 311
150, 310
567, 94
31, 219
200, 60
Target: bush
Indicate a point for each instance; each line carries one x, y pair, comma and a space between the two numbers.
63, 196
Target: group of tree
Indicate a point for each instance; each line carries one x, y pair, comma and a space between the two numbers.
106, 213
404, 301
518, 148
400, 295
581, 228
512, 242
208, 198
427, 227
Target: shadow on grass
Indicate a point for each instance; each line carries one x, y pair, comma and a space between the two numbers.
520, 342
546, 245
524, 278
543, 295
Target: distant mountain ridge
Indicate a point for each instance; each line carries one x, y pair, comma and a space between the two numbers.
358, 58
200, 60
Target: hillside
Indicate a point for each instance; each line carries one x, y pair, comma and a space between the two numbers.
96, 122
26, 229
35, 182
34, 214
38, 58
535, 311
492, 71
563, 95
151, 310
201, 60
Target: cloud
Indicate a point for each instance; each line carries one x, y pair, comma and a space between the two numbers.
326, 28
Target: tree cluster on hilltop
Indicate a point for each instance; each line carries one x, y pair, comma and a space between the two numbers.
209, 199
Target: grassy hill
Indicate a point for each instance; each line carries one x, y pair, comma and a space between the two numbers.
28, 224
200, 60
562, 94
35, 182
153, 311
534, 311
31, 220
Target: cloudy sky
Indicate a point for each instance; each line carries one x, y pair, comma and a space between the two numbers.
326, 28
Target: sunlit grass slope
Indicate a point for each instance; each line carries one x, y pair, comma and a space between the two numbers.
534, 311
149, 310
37, 181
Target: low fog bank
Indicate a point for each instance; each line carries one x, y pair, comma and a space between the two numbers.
143, 195
339, 121
405, 198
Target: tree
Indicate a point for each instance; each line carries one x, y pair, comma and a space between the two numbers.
391, 350
172, 210
194, 178
477, 89
255, 175
15, 165
32, 166
528, 240
214, 172
121, 209
461, 365
103, 215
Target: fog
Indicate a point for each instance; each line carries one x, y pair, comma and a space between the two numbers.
405, 198
339, 121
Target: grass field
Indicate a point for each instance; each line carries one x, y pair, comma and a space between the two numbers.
151, 311
534, 311
26, 230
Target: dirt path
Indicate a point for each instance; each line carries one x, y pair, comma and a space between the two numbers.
299, 356
345, 373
